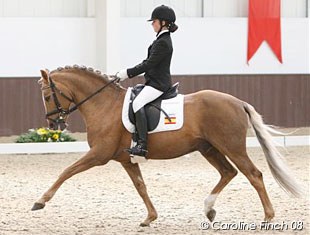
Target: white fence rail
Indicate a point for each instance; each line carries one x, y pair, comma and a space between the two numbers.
75, 147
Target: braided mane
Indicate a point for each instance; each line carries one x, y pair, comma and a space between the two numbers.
90, 70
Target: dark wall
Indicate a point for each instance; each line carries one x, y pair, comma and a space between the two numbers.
283, 100
21, 107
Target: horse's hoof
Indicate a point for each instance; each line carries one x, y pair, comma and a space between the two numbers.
144, 224
211, 215
268, 219
37, 206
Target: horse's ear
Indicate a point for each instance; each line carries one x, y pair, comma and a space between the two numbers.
44, 76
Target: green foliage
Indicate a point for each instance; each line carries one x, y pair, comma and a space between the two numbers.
44, 135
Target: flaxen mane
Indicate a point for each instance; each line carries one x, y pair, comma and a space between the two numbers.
89, 70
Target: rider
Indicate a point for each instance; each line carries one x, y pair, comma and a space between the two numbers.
157, 72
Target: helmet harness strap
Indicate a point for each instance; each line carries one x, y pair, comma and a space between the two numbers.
161, 26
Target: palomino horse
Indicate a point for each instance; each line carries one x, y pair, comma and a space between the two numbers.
215, 124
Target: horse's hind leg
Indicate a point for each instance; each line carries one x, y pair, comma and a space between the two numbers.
134, 173
246, 166
86, 162
227, 172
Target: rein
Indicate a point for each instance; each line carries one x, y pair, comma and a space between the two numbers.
63, 112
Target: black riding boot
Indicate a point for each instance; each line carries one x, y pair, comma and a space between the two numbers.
141, 126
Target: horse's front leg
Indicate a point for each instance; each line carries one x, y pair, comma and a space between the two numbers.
134, 172
89, 160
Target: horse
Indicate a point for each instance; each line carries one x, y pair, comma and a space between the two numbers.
215, 124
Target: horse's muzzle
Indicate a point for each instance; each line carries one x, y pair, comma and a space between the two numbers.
58, 126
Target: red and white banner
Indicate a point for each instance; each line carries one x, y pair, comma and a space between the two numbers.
264, 24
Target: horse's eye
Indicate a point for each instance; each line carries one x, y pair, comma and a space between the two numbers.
47, 98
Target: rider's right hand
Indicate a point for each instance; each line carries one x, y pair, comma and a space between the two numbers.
122, 74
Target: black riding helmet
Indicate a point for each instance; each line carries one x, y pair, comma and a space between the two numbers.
165, 13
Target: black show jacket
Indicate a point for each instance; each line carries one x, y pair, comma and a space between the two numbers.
157, 64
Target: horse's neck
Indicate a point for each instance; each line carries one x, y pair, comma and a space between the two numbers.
100, 105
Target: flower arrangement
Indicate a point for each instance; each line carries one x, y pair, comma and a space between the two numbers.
44, 135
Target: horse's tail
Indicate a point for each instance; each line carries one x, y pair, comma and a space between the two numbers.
275, 161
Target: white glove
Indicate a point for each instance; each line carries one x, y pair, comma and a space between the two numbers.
122, 75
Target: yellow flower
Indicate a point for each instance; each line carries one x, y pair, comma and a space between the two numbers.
55, 136
42, 131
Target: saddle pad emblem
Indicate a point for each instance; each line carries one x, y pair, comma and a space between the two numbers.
173, 119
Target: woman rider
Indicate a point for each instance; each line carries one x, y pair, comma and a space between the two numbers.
157, 72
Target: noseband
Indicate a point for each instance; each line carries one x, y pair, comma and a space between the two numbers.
62, 113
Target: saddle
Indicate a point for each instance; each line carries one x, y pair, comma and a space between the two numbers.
152, 109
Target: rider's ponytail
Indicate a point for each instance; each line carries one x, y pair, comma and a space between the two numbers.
172, 27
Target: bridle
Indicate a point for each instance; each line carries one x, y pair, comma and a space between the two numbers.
62, 113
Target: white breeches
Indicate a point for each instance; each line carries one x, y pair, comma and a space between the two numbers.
147, 95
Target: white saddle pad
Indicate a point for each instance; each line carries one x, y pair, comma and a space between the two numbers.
173, 107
